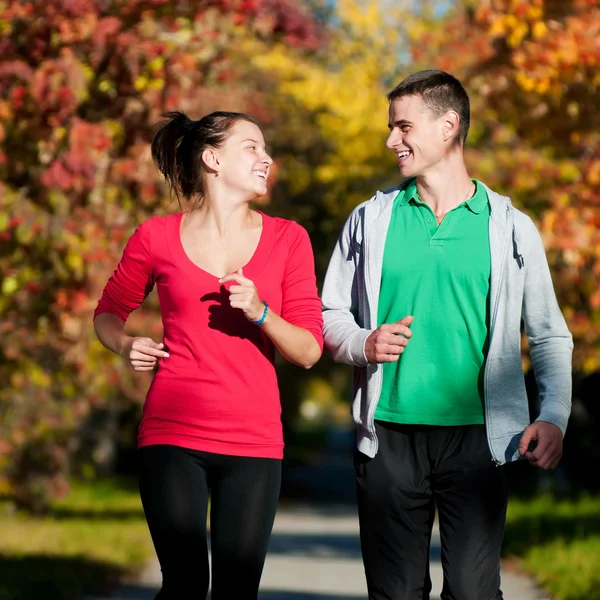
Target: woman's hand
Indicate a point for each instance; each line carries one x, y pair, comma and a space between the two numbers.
143, 352
244, 295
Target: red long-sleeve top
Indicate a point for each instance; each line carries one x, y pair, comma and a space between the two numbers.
217, 392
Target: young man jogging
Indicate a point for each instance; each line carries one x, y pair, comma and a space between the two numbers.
425, 296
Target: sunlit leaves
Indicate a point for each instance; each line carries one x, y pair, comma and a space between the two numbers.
531, 67
81, 86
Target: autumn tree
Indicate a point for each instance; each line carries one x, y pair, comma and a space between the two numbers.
81, 85
532, 70
329, 125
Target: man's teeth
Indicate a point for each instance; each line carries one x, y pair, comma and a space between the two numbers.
403, 154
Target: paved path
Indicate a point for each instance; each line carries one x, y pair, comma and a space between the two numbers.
315, 555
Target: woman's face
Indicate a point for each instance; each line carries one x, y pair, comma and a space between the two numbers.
243, 160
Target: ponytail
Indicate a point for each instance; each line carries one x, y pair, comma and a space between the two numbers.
171, 151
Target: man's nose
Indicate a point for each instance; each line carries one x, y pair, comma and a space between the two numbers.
393, 139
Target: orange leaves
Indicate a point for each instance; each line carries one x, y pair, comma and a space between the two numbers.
82, 83
76, 169
535, 105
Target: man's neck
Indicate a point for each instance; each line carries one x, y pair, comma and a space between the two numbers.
445, 187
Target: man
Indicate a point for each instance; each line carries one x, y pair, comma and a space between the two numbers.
425, 295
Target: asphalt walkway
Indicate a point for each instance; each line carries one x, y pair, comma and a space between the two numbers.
314, 554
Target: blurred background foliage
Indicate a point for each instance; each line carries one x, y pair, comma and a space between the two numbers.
82, 85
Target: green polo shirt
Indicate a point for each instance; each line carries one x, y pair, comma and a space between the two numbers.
441, 276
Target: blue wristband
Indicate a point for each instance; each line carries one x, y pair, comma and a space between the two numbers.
264, 315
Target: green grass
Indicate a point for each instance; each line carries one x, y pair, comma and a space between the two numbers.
558, 542
98, 535
95, 536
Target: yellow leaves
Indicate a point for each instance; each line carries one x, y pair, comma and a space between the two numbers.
75, 263
527, 83
156, 64
156, 84
539, 30
106, 86
37, 376
59, 202
9, 285
573, 110
182, 36
87, 71
6, 27
542, 86
590, 364
568, 172
517, 35
140, 83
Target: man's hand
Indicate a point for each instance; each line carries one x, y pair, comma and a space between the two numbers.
388, 341
548, 450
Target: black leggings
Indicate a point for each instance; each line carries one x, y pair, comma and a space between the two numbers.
174, 487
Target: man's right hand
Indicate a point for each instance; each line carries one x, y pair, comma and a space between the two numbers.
143, 352
388, 341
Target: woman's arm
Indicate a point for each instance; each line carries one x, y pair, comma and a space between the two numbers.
126, 289
298, 332
111, 332
296, 344
141, 352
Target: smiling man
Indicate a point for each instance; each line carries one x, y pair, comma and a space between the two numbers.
425, 296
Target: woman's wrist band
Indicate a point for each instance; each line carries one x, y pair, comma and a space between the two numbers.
264, 315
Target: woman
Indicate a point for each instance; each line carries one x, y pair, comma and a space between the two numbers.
233, 284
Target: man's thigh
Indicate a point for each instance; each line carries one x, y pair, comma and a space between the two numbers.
471, 494
396, 514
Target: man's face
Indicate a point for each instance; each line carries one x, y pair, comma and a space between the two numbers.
416, 138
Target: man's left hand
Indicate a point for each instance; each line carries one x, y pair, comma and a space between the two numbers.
548, 452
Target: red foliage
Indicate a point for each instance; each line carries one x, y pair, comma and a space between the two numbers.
82, 82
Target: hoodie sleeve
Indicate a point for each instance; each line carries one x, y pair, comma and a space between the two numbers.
344, 337
550, 342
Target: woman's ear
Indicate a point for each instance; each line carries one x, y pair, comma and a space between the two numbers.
211, 159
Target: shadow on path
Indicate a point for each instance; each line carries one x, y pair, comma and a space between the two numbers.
40, 577
147, 593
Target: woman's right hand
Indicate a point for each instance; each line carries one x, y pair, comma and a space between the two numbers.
143, 352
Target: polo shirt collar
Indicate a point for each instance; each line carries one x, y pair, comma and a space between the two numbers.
410, 193
475, 204
479, 199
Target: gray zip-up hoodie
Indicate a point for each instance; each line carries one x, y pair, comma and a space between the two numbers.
521, 291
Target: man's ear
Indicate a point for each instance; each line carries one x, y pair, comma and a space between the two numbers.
450, 125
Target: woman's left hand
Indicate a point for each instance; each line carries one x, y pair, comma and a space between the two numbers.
244, 295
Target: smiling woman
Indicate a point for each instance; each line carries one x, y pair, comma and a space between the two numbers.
234, 284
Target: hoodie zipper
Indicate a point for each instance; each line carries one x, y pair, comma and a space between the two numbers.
368, 294
505, 249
